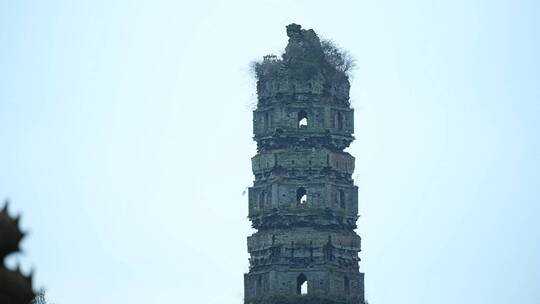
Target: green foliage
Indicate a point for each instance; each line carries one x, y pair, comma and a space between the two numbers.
40, 298
333, 59
269, 66
337, 57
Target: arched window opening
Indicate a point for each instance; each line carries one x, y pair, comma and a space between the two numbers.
301, 285
340, 121
341, 198
347, 285
301, 195
302, 119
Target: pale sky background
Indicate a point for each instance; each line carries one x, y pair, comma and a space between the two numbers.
125, 142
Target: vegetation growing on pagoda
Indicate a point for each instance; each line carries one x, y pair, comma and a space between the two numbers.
305, 56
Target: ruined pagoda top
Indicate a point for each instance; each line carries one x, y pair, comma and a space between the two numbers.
309, 69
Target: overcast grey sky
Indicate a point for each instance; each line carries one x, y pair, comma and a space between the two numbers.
126, 143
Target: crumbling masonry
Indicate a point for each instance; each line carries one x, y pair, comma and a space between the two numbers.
303, 203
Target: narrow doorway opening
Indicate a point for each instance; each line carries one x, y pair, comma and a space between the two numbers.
266, 121
262, 200
342, 199
347, 284
340, 121
258, 287
301, 195
302, 119
301, 285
